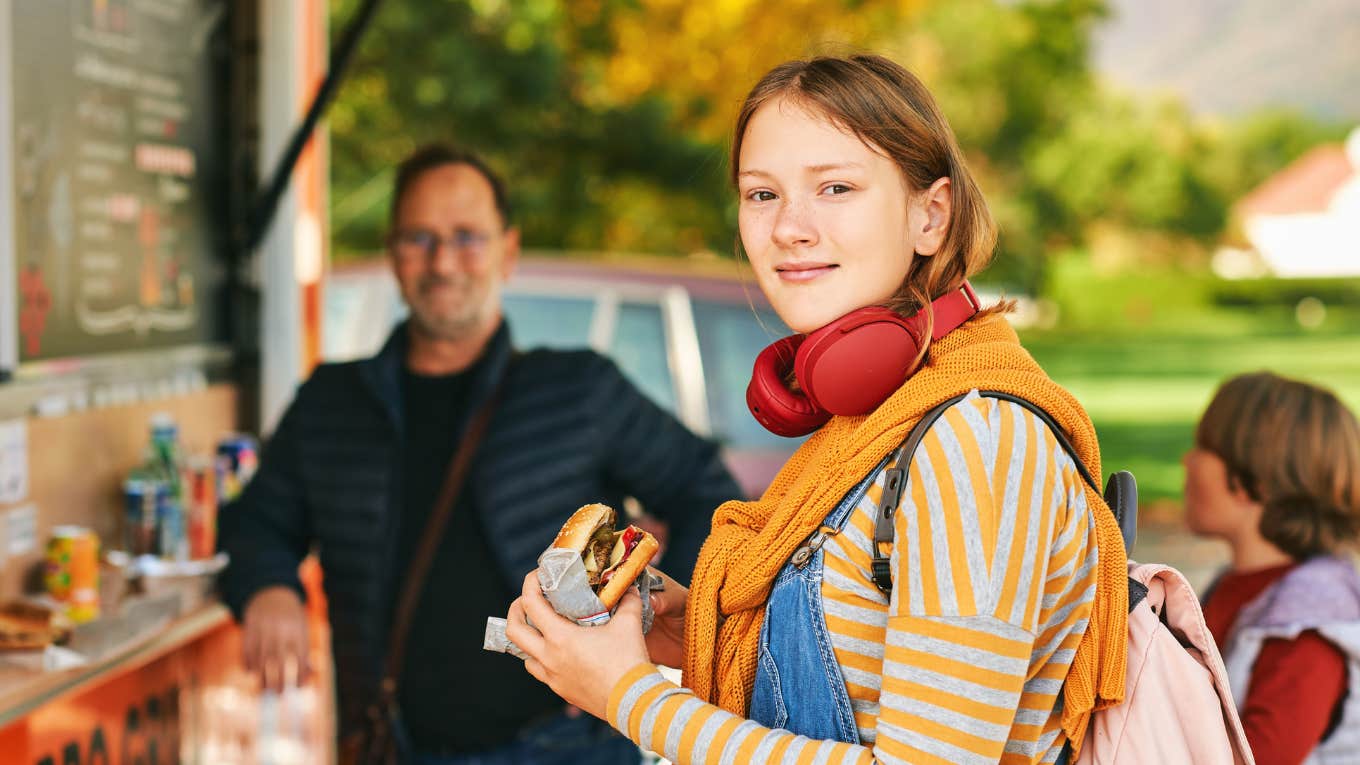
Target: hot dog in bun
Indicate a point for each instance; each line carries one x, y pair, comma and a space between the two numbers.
614, 559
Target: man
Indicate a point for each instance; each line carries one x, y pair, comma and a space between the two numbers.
357, 460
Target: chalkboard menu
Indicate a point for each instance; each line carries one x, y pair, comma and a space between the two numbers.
117, 174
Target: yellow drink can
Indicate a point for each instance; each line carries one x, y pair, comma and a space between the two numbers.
72, 571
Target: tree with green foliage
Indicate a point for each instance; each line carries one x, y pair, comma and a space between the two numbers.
497, 77
610, 117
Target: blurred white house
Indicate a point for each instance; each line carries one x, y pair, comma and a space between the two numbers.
1304, 221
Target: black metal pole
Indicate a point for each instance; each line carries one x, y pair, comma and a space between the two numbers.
267, 204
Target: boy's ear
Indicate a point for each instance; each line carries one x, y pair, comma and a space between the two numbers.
1238, 487
1234, 483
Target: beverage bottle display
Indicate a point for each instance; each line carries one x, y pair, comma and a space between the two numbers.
201, 505
163, 468
164, 455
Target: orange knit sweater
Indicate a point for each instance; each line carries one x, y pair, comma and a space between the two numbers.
751, 541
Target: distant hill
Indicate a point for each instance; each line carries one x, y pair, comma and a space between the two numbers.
1233, 56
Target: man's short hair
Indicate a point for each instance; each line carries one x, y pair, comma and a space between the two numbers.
433, 155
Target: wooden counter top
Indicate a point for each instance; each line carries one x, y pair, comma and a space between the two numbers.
23, 690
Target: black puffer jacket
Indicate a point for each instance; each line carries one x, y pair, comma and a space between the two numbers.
570, 430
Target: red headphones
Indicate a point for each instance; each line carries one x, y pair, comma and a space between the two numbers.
848, 367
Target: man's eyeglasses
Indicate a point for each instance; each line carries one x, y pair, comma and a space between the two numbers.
417, 243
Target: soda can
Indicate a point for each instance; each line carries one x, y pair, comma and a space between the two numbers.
142, 499
238, 457
202, 507
71, 571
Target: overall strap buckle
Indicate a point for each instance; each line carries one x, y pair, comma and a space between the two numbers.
803, 555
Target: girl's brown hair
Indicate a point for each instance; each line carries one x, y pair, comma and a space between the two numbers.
1295, 448
891, 111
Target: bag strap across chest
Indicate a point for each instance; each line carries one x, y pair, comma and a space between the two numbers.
1121, 493
413, 584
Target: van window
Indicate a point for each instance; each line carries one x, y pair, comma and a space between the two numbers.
639, 348
359, 311
549, 321
731, 335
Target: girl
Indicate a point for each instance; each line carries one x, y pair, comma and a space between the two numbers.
1275, 472
1005, 621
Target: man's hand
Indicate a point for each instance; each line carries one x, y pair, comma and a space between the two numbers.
275, 639
666, 639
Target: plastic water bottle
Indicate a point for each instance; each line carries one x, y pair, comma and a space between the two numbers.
165, 464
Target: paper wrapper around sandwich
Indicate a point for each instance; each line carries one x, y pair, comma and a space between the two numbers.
562, 577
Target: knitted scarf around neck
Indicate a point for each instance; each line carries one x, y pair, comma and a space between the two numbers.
751, 541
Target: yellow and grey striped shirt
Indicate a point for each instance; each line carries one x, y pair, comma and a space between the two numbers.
993, 574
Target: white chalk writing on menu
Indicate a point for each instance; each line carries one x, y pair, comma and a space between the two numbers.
115, 133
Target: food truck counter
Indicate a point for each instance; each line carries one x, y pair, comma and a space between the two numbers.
162, 668
172, 691
25, 687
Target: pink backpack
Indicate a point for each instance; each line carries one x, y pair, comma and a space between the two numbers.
1177, 709
1177, 705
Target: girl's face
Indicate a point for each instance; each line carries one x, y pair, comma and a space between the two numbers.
827, 221
1214, 506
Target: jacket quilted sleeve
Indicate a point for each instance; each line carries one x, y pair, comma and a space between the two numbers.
267, 530
677, 476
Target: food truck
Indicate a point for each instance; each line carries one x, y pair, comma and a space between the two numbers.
139, 283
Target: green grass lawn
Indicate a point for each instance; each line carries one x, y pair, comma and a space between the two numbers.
1145, 390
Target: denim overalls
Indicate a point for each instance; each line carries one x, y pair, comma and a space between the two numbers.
799, 686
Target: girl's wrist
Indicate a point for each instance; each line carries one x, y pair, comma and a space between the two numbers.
618, 693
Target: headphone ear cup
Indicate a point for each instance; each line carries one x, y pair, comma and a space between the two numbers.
780, 410
853, 364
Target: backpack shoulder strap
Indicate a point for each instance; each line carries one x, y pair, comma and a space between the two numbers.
894, 482
895, 477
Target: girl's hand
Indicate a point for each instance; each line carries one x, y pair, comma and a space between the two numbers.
666, 639
580, 664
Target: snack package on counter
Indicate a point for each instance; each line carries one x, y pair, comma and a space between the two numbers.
586, 571
29, 625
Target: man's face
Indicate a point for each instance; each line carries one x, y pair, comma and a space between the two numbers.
451, 252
